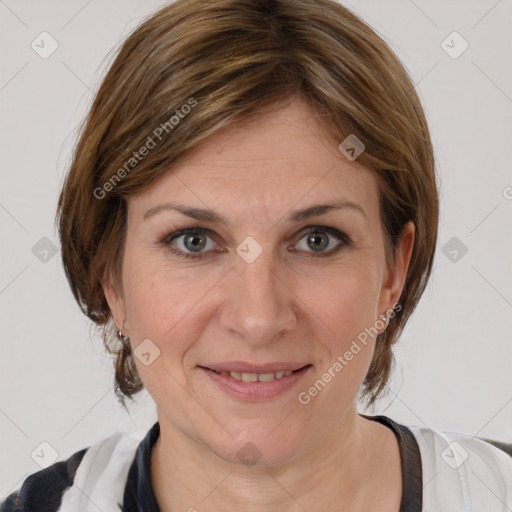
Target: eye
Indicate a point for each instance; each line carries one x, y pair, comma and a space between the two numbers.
318, 238
190, 242
192, 239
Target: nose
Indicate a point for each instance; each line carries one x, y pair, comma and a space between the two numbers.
259, 304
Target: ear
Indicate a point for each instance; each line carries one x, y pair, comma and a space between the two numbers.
395, 280
114, 299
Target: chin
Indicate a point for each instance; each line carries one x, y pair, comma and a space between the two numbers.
258, 443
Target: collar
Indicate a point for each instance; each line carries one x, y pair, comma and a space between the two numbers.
139, 496
138, 493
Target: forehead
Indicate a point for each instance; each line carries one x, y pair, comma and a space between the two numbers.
277, 160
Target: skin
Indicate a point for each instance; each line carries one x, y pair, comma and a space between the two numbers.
287, 305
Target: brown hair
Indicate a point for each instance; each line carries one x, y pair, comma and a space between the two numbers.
196, 66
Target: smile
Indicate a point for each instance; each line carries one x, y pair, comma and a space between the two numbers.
255, 386
253, 377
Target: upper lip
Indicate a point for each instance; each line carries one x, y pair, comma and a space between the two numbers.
244, 367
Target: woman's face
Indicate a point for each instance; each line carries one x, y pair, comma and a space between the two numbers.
256, 288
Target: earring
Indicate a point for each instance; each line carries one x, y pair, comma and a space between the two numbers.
120, 334
386, 320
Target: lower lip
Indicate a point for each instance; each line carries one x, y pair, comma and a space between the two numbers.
256, 391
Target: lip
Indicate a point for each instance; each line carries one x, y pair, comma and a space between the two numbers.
255, 391
244, 367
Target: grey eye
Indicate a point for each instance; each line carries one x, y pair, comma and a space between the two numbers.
195, 242
317, 241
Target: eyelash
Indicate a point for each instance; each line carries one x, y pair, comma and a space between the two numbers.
169, 238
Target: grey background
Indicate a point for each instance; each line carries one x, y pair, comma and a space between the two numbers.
454, 360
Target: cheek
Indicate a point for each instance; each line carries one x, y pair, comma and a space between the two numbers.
156, 302
347, 349
164, 304
346, 304
345, 298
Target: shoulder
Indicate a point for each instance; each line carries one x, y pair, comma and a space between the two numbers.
506, 447
456, 448
60, 486
477, 472
43, 489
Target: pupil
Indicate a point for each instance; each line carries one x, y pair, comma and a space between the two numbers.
195, 244
321, 238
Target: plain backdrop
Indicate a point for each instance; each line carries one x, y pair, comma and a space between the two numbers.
454, 361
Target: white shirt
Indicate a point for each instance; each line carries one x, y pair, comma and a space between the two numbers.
460, 473
442, 472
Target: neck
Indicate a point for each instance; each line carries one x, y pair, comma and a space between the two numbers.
341, 469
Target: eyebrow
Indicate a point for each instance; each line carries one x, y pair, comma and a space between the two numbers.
207, 215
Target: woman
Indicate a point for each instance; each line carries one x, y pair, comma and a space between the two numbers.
251, 215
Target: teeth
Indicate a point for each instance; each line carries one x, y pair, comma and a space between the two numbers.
261, 377
249, 377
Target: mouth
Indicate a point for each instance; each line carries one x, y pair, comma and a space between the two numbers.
257, 377
255, 386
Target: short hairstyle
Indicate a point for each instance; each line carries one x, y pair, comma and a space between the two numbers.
197, 66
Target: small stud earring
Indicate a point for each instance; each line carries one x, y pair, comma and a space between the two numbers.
120, 334
386, 320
